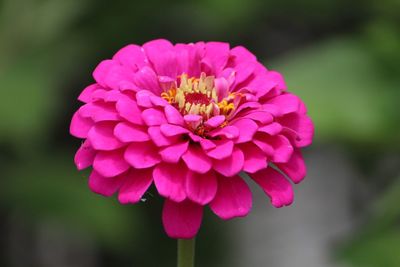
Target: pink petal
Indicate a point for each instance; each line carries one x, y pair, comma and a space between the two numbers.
174, 152
100, 111
143, 98
153, 117
196, 160
135, 185
271, 129
127, 132
216, 56
247, 128
295, 168
259, 116
201, 188
102, 137
159, 139
215, 121
131, 56
243, 71
110, 163
241, 54
146, 79
80, 126
282, 148
229, 132
142, 155
181, 220
84, 156
301, 128
170, 181
162, 56
129, 110
254, 158
105, 186
101, 71
172, 130
231, 165
173, 115
275, 186
86, 94
261, 140
222, 150
287, 103
233, 198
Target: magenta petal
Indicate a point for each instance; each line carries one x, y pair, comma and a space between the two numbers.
181, 220
102, 137
153, 117
282, 148
84, 156
127, 132
172, 130
196, 160
110, 163
247, 128
295, 168
254, 158
216, 56
143, 99
215, 121
170, 181
86, 95
231, 165
129, 110
259, 116
233, 198
105, 186
222, 150
131, 56
173, 115
142, 155
287, 103
201, 188
300, 127
241, 53
100, 111
102, 70
174, 152
80, 126
158, 138
146, 79
271, 129
229, 132
275, 186
135, 185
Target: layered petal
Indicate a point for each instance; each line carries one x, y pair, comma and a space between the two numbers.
170, 181
135, 185
233, 198
181, 220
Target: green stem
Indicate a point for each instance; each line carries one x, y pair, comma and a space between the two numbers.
186, 252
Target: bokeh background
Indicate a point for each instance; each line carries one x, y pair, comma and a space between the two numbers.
341, 57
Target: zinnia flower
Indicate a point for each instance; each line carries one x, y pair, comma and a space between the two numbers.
190, 118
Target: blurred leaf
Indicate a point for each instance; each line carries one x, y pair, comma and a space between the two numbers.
377, 243
51, 188
346, 94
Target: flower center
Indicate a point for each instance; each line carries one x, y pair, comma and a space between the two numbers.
198, 96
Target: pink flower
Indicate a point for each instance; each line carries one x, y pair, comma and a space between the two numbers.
190, 118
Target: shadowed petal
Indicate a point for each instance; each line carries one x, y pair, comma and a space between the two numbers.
105, 186
233, 198
127, 132
174, 152
196, 160
231, 165
170, 181
80, 126
201, 188
295, 168
84, 156
275, 186
181, 220
135, 185
254, 158
110, 163
101, 136
142, 155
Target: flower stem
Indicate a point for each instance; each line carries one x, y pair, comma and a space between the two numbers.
186, 252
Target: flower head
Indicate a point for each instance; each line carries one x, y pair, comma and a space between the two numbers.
190, 118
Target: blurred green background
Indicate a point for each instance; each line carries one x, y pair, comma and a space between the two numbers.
341, 57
